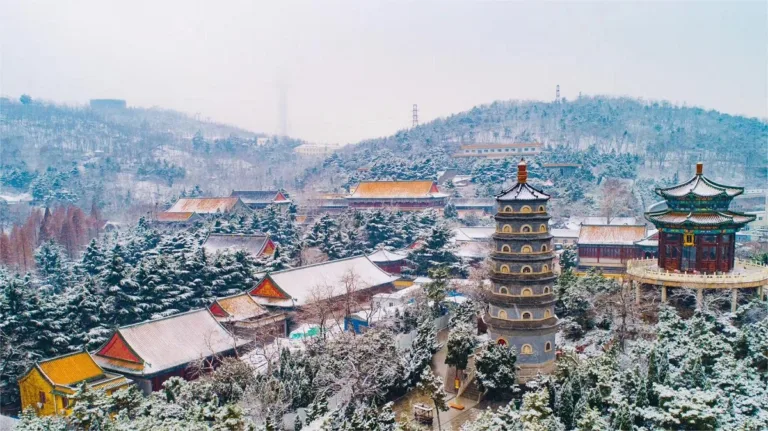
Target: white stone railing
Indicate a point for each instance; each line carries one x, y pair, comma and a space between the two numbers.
750, 273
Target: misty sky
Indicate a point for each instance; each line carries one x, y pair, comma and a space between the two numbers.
352, 70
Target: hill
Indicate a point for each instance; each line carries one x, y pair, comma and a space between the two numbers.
126, 159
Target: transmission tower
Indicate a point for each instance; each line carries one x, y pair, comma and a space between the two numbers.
557, 93
415, 115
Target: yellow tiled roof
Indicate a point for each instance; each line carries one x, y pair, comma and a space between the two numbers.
241, 306
393, 189
72, 368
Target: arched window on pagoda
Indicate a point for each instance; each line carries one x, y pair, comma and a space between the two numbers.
526, 349
542, 209
501, 342
526, 270
547, 314
527, 292
507, 209
525, 209
504, 269
526, 229
506, 229
542, 228
544, 248
506, 249
526, 315
526, 249
548, 346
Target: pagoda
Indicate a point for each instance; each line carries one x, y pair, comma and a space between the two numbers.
696, 229
521, 303
697, 238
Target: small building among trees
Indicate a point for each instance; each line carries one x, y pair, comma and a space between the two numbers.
49, 385
151, 352
257, 245
609, 247
243, 316
260, 199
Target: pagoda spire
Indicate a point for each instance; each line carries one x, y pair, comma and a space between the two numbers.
522, 172
700, 168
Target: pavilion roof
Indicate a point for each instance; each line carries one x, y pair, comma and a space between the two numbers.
522, 192
396, 189
699, 186
695, 218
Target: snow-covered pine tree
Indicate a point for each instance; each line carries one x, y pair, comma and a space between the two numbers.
495, 368
93, 259
54, 267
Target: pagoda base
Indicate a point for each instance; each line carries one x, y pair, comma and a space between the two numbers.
526, 373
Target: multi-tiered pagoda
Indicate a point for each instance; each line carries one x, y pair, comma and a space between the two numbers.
696, 229
521, 305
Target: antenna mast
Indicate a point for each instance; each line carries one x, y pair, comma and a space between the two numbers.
415, 115
557, 94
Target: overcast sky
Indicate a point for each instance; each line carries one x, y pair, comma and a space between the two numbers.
352, 70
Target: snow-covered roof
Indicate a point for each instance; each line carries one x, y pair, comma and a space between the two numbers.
260, 196
396, 190
380, 256
522, 192
611, 235
205, 205
155, 346
473, 233
252, 244
400, 294
564, 233
16, 198
297, 286
473, 249
236, 308
167, 217
574, 222
700, 186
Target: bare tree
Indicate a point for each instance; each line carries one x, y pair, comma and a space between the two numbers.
616, 200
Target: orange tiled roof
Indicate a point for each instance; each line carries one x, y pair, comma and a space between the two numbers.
204, 205
611, 234
241, 306
394, 189
73, 368
166, 216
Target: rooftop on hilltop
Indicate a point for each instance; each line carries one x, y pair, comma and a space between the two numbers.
396, 189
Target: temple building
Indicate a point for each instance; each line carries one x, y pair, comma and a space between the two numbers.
609, 247
151, 352
696, 242
48, 385
521, 304
397, 195
243, 316
260, 199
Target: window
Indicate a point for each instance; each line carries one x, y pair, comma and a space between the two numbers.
391, 304
504, 291
525, 229
525, 209
546, 290
506, 229
502, 314
42, 397
526, 349
505, 249
527, 292
507, 209
547, 314
526, 315
65, 402
544, 248
504, 269
545, 268
688, 239
526, 270
541, 208
526, 249
501, 342
543, 228
547, 346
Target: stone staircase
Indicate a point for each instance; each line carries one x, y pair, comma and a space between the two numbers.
472, 391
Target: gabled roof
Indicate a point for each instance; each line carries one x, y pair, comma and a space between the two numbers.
298, 286
71, 368
205, 205
65, 372
167, 217
699, 186
383, 256
473, 233
254, 245
236, 308
259, 196
396, 189
522, 192
610, 235
460, 203
156, 346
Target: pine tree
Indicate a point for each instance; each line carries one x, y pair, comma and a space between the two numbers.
91, 410
120, 292
53, 266
461, 345
85, 317
432, 387
93, 260
495, 368
437, 251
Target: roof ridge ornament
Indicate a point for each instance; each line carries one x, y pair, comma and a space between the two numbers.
522, 172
